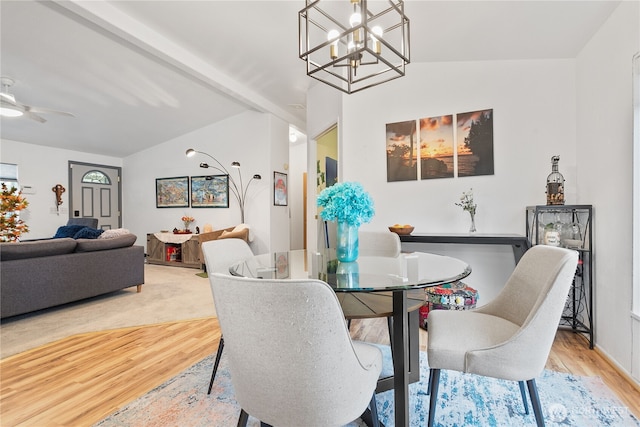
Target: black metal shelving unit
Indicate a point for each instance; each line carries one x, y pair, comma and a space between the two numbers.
569, 226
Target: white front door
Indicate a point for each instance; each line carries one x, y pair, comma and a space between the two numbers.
95, 193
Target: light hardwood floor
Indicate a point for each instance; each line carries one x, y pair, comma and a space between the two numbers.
79, 380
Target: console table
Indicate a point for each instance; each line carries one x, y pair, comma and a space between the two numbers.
518, 243
181, 250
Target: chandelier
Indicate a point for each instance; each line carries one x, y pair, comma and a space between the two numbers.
351, 47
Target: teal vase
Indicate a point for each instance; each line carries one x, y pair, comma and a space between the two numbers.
346, 242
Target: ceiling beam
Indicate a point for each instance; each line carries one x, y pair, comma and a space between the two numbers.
108, 17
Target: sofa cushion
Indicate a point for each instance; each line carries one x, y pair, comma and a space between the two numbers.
90, 245
68, 231
88, 233
36, 248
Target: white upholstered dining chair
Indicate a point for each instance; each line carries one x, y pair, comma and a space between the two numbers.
219, 255
291, 359
379, 243
510, 337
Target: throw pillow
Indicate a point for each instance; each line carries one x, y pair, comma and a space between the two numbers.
241, 227
68, 231
88, 233
234, 235
116, 232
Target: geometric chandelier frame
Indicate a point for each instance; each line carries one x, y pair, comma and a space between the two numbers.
353, 45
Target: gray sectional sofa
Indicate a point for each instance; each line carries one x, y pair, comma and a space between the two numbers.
45, 273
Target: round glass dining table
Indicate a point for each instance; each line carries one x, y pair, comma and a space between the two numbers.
369, 274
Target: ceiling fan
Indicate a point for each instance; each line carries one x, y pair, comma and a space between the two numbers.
9, 107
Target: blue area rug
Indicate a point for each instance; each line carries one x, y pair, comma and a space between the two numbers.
464, 400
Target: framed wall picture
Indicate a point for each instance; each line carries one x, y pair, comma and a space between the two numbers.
282, 265
211, 191
172, 192
280, 189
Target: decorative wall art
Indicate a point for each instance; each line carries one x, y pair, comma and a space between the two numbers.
447, 146
280, 189
402, 151
331, 166
436, 147
475, 143
210, 191
282, 265
172, 192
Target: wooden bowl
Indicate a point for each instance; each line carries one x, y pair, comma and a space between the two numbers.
402, 231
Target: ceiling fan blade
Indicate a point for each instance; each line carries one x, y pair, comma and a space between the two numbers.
7, 97
49, 111
30, 114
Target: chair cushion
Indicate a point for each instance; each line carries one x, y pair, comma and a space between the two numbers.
471, 330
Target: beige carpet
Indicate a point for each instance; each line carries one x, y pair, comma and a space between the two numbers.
169, 293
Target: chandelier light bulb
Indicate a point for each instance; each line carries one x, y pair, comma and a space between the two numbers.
332, 35
375, 37
354, 21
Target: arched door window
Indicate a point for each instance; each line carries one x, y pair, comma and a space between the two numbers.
96, 177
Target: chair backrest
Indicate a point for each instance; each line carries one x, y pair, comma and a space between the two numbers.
533, 298
221, 254
540, 269
379, 243
291, 358
89, 222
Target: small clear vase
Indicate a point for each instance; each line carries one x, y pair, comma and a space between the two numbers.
347, 275
472, 229
346, 242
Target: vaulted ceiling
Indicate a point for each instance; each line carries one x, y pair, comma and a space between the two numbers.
139, 73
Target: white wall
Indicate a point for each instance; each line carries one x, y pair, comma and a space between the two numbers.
251, 138
533, 114
297, 169
604, 159
324, 107
279, 158
533, 105
42, 168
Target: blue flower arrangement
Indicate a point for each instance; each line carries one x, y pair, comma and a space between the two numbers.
346, 202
